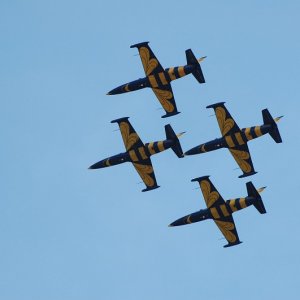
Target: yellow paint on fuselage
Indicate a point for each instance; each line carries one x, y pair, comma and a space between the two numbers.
181, 71
171, 73
126, 88
243, 203
151, 148
160, 146
248, 134
257, 131
232, 205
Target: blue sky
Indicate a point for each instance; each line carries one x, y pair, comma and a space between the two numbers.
71, 233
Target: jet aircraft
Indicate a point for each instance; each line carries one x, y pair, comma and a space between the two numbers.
139, 153
221, 211
235, 139
159, 79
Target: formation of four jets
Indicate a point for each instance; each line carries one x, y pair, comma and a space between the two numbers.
233, 138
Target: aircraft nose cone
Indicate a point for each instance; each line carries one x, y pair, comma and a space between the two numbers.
110, 92
97, 165
195, 150
115, 91
190, 152
178, 222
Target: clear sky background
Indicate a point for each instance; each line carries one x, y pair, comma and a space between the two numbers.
67, 232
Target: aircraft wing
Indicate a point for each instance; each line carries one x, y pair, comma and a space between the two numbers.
129, 135
227, 227
146, 172
219, 212
226, 122
242, 156
210, 193
150, 62
165, 96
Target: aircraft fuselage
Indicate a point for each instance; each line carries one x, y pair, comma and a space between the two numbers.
232, 140
137, 154
216, 212
156, 80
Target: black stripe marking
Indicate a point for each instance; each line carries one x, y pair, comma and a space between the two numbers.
147, 150
157, 80
167, 74
219, 211
155, 147
176, 72
237, 203
252, 132
137, 152
236, 143
244, 135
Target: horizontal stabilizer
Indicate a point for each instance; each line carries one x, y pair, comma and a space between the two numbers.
254, 193
268, 120
192, 60
171, 135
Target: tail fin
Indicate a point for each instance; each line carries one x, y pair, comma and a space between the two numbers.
253, 193
192, 60
268, 120
171, 135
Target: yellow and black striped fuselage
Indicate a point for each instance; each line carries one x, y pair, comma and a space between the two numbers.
160, 79
144, 152
229, 207
137, 154
155, 80
231, 140
216, 212
245, 135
